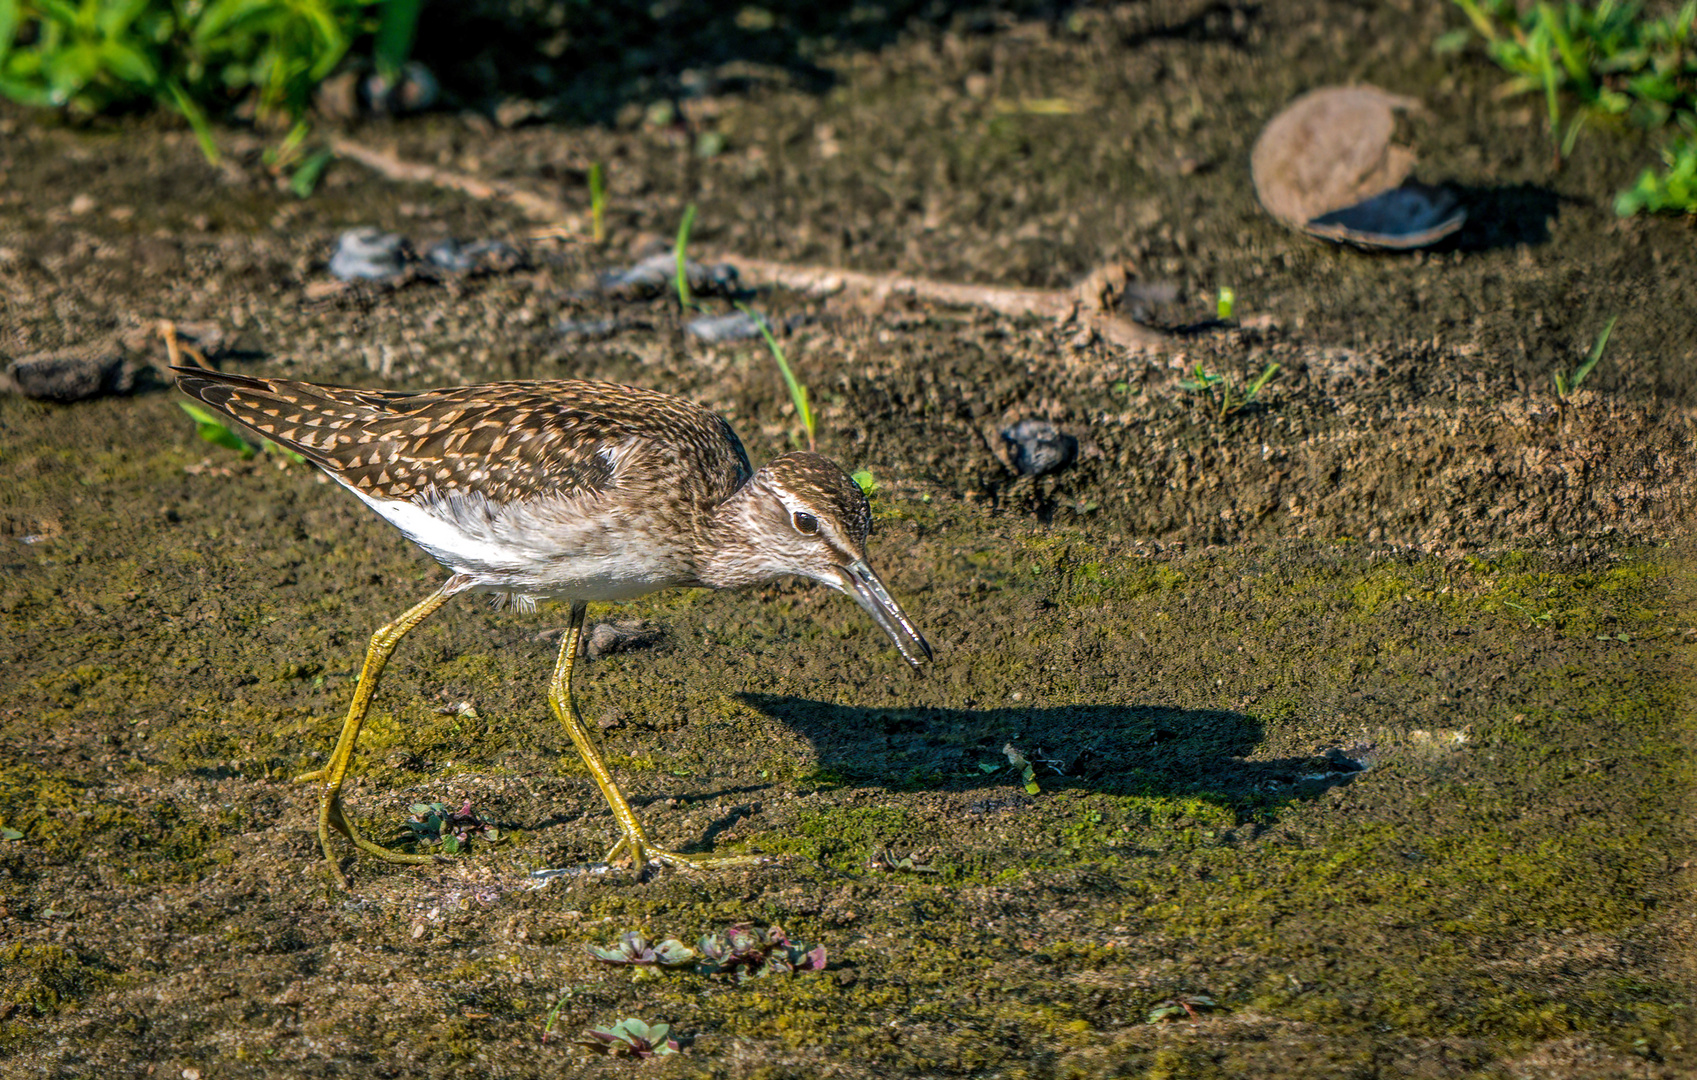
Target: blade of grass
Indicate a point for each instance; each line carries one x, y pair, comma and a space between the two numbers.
598, 202
1262, 380
798, 392
197, 120
396, 29
684, 300
305, 178
1592, 360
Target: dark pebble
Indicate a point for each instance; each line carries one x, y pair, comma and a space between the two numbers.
481, 256
1039, 447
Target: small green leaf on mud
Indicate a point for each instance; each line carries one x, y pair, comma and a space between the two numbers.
865, 480
635, 950
748, 951
10, 834
1185, 1005
632, 1037
1027, 774
213, 430
304, 180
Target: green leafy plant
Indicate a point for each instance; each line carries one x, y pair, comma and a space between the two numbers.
199, 57
635, 950
748, 951
598, 204
865, 481
1226, 398
1567, 384
1674, 188
1616, 65
433, 825
632, 1038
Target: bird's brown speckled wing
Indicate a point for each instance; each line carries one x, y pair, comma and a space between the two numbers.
506, 441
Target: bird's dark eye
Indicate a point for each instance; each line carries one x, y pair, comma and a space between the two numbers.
806, 524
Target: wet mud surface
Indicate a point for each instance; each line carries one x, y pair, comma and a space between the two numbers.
1363, 713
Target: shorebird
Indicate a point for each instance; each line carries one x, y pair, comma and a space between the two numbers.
562, 490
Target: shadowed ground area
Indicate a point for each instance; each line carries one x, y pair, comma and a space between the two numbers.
1364, 714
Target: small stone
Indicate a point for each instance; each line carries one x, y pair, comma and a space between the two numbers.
659, 273
370, 254
605, 639
478, 256
1038, 447
718, 329
414, 90
588, 329
73, 375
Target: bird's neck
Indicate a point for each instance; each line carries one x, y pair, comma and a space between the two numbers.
728, 553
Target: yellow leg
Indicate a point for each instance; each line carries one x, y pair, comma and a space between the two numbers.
633, 840
330, 814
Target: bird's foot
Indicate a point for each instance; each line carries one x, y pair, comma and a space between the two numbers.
642, 854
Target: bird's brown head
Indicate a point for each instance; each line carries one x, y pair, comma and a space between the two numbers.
801, 514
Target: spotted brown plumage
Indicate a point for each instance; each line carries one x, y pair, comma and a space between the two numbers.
567, 490
508, 441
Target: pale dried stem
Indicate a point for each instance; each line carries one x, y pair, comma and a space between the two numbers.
1089, 304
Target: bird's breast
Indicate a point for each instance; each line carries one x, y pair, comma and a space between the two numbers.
579, 549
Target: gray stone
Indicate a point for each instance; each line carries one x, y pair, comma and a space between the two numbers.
1037, 447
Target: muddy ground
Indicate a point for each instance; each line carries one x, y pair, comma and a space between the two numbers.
1364, 713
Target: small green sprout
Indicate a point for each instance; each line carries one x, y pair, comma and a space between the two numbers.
598, 203
1184, 1005
631, 1037
10, 834
1220, 391
1027, 774
1226, 304
634, 949
304, 180
1532, 620
747, 951
864, 480
684, 299
211, 428
798, 392
433, 824
1566, 385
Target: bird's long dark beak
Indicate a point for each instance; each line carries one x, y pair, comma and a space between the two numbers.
862, 583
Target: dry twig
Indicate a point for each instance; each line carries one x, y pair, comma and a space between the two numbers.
1091, 304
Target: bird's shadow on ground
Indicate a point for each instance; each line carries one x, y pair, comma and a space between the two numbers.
1149, 750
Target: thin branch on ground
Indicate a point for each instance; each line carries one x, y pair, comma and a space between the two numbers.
1089, 304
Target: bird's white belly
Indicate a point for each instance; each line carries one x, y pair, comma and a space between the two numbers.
538, 551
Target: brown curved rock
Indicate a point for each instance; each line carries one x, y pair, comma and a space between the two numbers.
1326, 166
